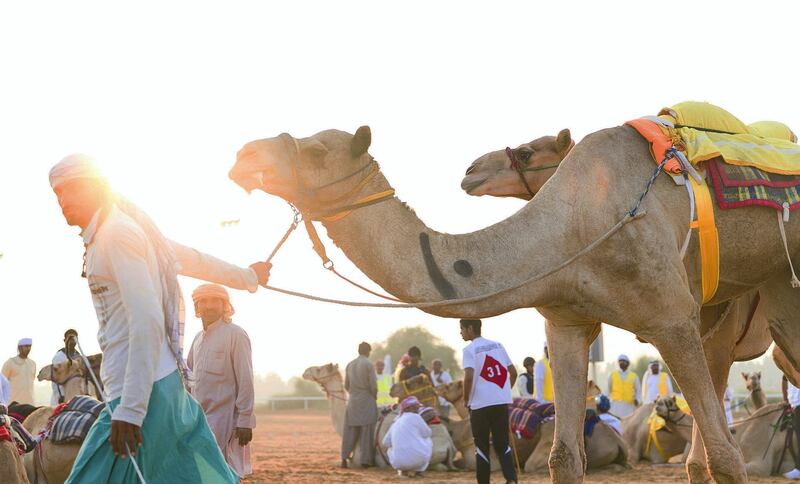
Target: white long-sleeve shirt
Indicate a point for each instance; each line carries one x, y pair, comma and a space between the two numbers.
409, 442
442, 378
123, 277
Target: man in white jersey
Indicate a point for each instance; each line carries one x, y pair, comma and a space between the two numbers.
488, 378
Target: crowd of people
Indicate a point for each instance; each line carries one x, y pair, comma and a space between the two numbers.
489, 377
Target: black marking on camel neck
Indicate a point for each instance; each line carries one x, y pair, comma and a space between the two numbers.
442, 285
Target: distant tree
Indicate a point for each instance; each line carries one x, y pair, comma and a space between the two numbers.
303, 388
431, 346
269, 385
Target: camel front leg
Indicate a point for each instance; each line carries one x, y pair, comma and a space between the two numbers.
569, 359
679, 344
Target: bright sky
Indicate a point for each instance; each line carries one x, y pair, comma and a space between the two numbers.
163, 94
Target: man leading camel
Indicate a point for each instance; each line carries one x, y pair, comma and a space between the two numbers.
66, 353
624, 389
222, 362
20, 371
362, 411
132, 272
489, 376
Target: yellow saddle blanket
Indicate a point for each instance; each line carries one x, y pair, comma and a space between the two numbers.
706, 131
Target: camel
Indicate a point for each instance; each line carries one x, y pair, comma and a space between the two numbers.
761, 445
56, 460
12, 468
636, 431
742, 333
329, 378
753, 383
610, 253
604, 448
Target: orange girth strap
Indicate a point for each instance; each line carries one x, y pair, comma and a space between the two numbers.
709, 238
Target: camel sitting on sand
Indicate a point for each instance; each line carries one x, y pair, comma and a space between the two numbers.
604, 448
737, 331
601, 241
667, 441
753, 383
56, 460
329, 378
762, 441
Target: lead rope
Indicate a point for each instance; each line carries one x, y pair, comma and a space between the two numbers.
783, 218
103, 398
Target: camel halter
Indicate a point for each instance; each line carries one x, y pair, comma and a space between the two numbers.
517, 166
633, 214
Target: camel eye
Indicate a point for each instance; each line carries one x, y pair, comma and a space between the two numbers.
524, 155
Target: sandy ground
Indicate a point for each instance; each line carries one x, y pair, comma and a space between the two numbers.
297, 446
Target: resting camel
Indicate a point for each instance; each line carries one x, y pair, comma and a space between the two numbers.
579, 256
735, 331
329, 378
753, 383
761, 444
636, 431
56, 461
604, 447
12, 468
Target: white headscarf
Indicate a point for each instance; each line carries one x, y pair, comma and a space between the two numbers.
79, 165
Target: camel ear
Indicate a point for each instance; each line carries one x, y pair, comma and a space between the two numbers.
563, 141
744, 375
361, 141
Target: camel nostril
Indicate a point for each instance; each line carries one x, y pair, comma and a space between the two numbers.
471, 169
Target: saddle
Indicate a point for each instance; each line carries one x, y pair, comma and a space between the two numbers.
11, 430
72, 424
526, 414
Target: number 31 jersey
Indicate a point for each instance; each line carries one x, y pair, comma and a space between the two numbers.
490, 382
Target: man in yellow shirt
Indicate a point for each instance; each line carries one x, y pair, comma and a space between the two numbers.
543, 379
656, 382
385, 382
20, 371
624, 389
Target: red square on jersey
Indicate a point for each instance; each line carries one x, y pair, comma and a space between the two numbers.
494, 372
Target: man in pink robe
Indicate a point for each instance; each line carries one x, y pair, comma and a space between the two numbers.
221, 360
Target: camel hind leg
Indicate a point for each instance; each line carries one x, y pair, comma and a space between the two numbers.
780, 303
678, 341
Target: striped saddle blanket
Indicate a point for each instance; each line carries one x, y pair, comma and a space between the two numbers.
526, 414
739, 186
74, 421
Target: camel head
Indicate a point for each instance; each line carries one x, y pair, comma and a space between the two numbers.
322, 374
492, 173
753, 381
452, 392
413, 383
61, 372
306, 172
667, 407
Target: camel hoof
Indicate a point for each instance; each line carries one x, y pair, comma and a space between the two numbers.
698, 473
726, 466
564, 468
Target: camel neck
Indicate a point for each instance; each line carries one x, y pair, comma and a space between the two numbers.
394, 248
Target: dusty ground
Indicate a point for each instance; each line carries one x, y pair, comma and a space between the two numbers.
297, 446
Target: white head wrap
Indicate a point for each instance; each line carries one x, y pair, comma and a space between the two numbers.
623, 357
25, 342
72, 167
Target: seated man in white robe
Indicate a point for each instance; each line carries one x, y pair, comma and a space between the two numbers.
409, 440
